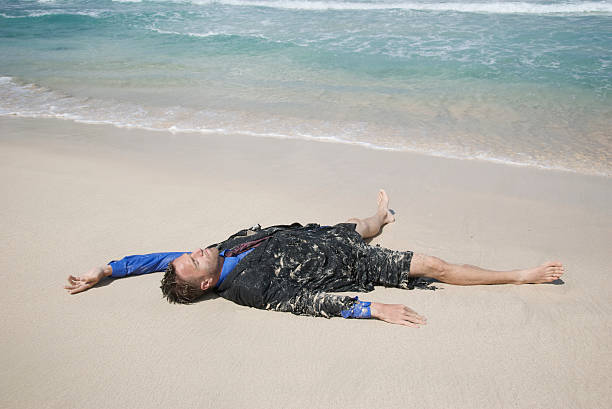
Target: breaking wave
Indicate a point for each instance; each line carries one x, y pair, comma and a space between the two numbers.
469, 7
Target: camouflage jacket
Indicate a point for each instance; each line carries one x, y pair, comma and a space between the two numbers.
295, 268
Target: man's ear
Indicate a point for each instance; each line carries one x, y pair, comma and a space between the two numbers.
205, 284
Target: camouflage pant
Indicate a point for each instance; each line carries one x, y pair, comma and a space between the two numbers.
387, 267
335, 258
375, 266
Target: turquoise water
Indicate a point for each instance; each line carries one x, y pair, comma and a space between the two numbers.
526, 83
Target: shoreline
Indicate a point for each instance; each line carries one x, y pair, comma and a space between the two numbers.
324, 139
486, 131
82, 195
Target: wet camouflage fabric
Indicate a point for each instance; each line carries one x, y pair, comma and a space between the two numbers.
298, 265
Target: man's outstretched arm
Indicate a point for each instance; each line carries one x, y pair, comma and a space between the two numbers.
326, 305
127, 266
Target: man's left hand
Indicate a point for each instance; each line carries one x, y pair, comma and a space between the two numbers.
397, 314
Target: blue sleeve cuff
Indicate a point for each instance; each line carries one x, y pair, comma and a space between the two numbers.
361, 309
119, 268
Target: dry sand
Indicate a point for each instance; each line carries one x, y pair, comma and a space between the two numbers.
78, 195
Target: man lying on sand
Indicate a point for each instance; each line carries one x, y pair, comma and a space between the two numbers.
291, 268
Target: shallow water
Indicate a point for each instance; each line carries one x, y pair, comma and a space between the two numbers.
526, 83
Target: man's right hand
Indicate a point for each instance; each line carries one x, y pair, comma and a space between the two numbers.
87, 280
397, 314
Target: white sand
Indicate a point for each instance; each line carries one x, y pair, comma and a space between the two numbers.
79, 195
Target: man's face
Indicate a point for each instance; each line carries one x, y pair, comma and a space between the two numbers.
199, 267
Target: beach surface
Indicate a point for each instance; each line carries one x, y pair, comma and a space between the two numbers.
81, 195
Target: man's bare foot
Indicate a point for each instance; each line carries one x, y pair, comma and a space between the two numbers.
546, 273
383, 207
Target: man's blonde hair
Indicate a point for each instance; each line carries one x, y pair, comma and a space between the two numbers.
176, 290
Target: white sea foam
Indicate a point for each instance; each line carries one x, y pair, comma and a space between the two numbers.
470, 7
219, 34
209, 34
55, 12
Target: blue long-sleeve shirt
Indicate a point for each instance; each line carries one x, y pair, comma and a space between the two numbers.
143, 263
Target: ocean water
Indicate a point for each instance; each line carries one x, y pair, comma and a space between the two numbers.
520, 82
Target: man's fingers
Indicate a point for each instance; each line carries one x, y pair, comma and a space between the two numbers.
80, 289
407, 321
76, 280
413, 312
408, 324
414, 317
75, 283
417, 319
